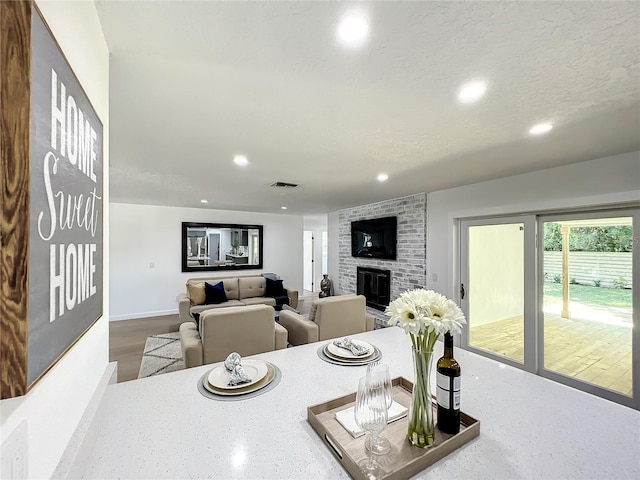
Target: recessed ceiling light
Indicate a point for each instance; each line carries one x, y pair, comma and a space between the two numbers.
353, 30
283, 208
472, 92
540, 129
241, 160
204, 201
383, 177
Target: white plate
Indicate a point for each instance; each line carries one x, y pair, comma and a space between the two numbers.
245, 388
356, 361
219, 376
345, 353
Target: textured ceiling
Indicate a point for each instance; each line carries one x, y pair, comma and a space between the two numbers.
193, 83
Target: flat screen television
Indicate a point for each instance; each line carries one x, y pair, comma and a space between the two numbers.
375, 238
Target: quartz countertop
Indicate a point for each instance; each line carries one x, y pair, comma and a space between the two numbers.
531, 427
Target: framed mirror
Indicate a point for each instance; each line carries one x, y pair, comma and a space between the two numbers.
220, 246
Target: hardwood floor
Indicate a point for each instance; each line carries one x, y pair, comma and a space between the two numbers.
587, 350
127, 337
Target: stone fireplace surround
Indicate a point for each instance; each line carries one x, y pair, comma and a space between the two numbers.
408, 271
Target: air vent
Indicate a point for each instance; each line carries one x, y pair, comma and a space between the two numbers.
283, 185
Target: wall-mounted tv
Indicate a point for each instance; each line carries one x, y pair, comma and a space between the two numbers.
375, 238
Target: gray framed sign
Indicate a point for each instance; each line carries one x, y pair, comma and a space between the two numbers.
56, 173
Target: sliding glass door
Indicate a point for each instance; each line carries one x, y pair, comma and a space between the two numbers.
494, 280
587, 323
555, 295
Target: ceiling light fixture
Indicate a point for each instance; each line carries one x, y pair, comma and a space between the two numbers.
241, 160
383, 177
204, 201
353, 30
283, 208
540, 129
472, 92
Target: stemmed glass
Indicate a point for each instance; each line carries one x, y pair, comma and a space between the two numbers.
378, 377
371, 416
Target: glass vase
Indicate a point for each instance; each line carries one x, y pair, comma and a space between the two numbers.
421, 421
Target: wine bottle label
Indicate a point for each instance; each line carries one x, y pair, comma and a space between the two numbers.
445, 397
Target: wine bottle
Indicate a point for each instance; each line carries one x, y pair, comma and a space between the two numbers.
448, 391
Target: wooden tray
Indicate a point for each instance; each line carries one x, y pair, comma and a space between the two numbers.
404, 460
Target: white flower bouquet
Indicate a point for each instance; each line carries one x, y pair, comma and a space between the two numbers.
424, 315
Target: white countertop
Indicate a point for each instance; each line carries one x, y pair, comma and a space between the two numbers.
162, 427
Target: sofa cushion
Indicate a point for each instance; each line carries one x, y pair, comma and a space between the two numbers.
228, 303
214, 293
312, 311
196, 293
251, 287
230, 287
274, 288
259, 301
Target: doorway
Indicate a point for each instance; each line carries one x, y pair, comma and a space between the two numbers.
497, 271
554, 295
308, 264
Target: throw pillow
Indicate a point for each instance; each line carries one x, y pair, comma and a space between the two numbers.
214, 293
280, 301
274, 288
196, 293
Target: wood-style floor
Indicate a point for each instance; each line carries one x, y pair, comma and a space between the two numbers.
127, 337
587, 350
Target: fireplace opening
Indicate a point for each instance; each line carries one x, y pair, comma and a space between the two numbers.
375, 285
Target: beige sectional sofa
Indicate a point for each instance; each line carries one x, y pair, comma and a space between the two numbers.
240, 291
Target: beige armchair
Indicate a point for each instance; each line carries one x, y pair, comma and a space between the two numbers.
329, 317
246, 330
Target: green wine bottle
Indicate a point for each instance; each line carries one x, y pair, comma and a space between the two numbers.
448, 390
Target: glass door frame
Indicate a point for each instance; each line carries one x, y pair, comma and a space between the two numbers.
530, 308
634, 400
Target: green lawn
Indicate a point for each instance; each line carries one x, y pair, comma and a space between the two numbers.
609, 297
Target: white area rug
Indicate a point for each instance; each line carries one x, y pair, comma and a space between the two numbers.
162, 354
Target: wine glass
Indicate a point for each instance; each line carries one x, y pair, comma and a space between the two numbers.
371, 416
378, 377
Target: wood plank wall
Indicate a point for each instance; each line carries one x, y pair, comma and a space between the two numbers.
15, 66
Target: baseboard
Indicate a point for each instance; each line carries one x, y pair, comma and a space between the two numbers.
75, 457
131, 316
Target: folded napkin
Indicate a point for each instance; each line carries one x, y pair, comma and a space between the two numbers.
234, 365
354, 348
348, 420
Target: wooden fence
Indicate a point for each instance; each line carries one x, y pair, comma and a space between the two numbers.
610, 269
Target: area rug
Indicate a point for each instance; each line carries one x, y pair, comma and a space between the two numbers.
162, 354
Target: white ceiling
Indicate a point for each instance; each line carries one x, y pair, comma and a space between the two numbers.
193, 83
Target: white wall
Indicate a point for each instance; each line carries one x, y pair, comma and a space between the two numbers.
496, 272
333, 228
604, 181
45, 419
146, 234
